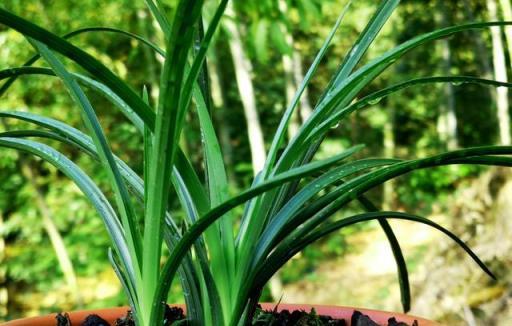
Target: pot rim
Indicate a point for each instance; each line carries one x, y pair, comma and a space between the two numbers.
338, 312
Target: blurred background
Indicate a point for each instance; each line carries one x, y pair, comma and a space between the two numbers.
53, 248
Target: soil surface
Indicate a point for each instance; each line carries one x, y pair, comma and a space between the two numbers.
262, 318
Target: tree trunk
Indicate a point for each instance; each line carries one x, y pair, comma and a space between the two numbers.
481, 51
56, 240
506, 9
292, 67
290, 87
293, 73
388, 193
447, 120
243, 69
288, 69
500, 74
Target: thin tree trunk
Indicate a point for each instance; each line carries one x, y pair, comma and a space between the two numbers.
506, 9
56, 240
289, 78
388, 195
292, 67
447, 120
481, 54
500, 74
243, 69
290, 89
3, 272
481, 51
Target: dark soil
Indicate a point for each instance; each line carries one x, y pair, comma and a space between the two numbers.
262, 318
172, 314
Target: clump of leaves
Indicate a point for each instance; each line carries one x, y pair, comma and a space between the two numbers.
222, 269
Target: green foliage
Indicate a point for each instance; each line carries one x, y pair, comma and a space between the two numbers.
223, 248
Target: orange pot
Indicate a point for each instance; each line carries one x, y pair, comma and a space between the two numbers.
337, 312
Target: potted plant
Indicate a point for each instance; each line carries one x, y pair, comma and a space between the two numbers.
222, 268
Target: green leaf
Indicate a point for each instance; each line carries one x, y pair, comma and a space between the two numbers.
403, 275
219, 237
274, 230
169, 122
248, 223
207, 282
87, 186
74, 137
100, 88
342, 93
123, 200
158, 11
83, 59
197, 229
319, 211
376, 97
285, 120
34, 58
200, 57
292, 247
365, 39
190, 282
126, 284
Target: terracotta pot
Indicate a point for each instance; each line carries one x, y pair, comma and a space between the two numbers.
112, 314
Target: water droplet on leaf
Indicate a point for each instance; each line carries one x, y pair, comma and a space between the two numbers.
374, 101
335, 126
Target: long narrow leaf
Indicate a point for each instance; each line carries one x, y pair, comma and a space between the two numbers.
352, 189
344, 92
200, 55
87, 186
158, 12
97, 86
205, 221
82, 58
73, 137
365, 39
249, 236
401, 266
126, 284
123, 200
274, 229
169, 121
283, 124
376, 97
220, 237
284, 253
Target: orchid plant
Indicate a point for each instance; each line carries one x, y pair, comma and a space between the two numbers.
222, 265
